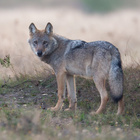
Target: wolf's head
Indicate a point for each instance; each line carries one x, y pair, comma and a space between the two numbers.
42, 42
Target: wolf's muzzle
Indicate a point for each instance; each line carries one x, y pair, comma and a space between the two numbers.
39, 53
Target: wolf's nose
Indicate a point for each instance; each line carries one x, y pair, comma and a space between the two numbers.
39, 53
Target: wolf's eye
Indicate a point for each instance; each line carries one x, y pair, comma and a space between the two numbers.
35, 42
45, 43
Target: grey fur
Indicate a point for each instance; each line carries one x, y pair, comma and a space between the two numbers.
99, 60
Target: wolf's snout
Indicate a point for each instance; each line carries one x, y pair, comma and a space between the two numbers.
39, 53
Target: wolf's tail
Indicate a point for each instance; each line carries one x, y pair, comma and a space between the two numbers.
116, 75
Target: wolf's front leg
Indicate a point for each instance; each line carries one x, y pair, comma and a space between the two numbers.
61, 77
71, 88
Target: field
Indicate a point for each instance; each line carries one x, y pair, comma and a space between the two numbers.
28, 88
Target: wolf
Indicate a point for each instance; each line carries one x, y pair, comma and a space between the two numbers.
98, 60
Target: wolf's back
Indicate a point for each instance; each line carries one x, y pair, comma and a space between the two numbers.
116, 75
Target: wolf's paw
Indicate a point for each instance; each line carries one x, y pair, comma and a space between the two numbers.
53, 109
70, 109
67, 109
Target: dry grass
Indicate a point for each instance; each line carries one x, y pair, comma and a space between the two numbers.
121, 28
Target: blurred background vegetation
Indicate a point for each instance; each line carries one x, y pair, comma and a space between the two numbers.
109, 5
87, 5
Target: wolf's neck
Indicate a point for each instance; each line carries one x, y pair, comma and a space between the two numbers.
58, 53
62, 41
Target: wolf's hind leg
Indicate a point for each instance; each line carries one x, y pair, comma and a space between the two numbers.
100, 85
120, 107
71, 88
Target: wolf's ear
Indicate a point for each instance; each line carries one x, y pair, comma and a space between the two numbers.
49, 28
32, 28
